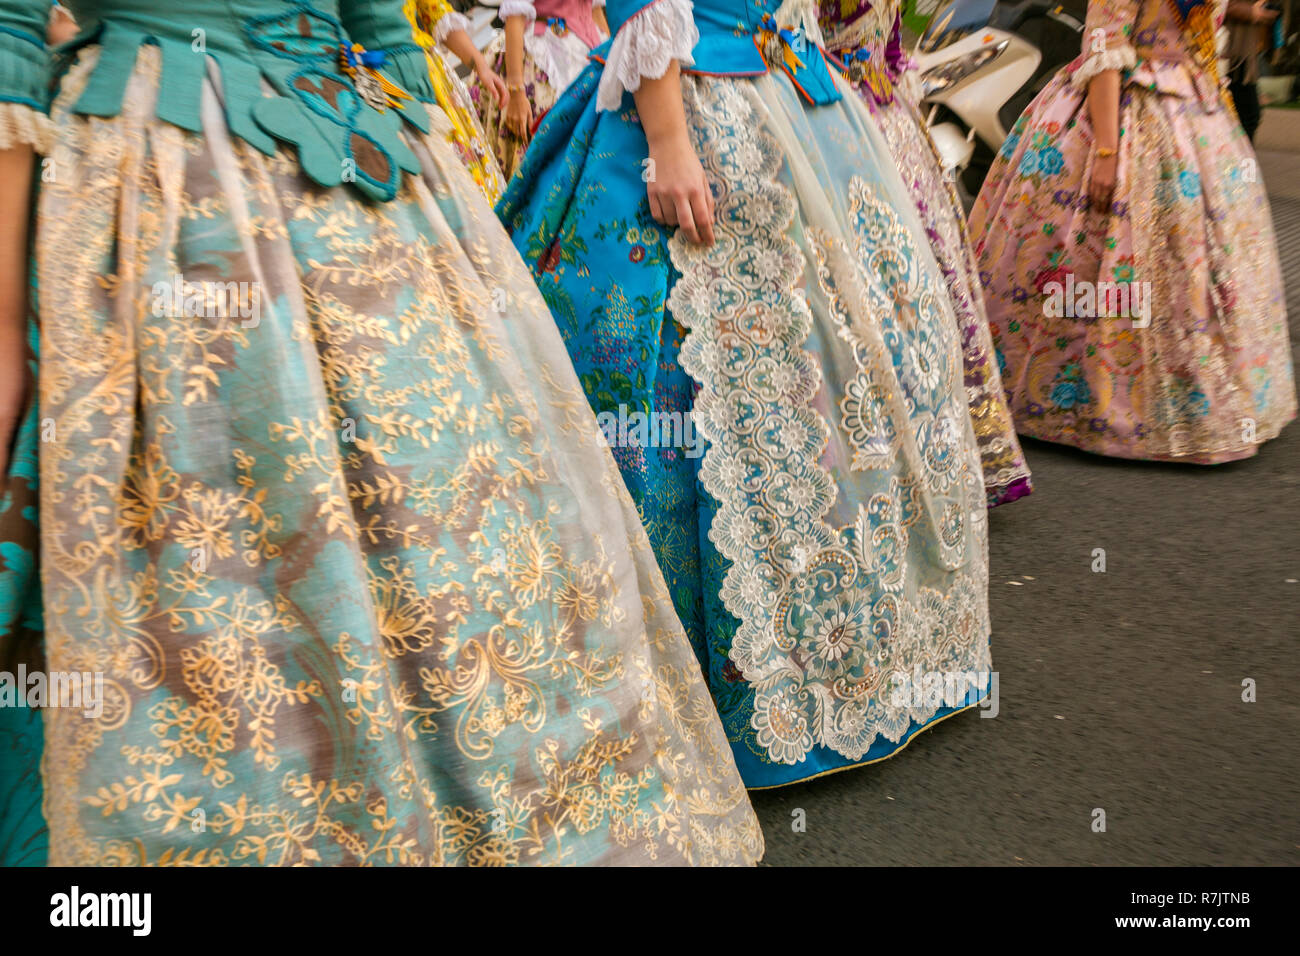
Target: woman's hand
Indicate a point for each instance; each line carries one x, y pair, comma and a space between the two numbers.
459, 43
490, 81
1101, 184
61, 27
676, 187
519, 114
678, 190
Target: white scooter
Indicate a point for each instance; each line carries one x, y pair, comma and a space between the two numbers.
977, 78
482, 16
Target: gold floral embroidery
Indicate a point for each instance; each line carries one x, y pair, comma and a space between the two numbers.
363, 585
829, 613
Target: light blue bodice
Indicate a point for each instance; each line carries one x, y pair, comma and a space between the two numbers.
742, 38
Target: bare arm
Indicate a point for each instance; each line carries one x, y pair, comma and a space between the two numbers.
62, 27
1103, 110
24, 85
676, 187
519, 114
515, 48
15, 196
460, 43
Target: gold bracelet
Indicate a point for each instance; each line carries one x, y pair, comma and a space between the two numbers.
1105, 152
516, 87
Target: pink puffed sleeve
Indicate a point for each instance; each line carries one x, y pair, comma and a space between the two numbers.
1107, 39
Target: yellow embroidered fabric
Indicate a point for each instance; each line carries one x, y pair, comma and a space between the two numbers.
466, 132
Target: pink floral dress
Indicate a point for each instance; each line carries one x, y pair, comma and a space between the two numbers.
1155, 328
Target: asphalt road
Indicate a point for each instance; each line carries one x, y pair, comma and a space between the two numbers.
1119, 690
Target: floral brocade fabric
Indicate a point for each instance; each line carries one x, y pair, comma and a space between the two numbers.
1155, 328
823, 533
362, 583
866, 36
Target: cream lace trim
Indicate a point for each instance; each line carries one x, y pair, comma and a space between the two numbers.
449, 24
645, 47
517, 8
828, 618
919, 165
21, 125
1122, 57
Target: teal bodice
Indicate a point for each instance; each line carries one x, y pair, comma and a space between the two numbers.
280, 66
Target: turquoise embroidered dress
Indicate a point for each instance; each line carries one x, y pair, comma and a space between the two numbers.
325, 519
827, 552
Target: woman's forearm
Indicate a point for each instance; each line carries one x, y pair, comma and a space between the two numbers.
659, 106
677, 189
598, 14
459, 43
1103, 108
515, 50
16, 170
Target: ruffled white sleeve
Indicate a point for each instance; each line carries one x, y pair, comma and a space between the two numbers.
517, 8
598, 3
1120, 58
449, 24
1107, 40
645, 46
23, 126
